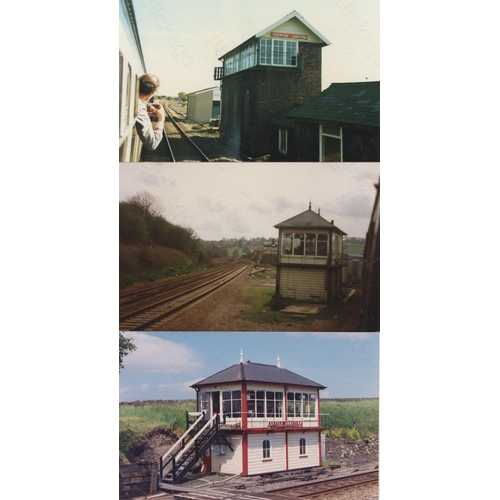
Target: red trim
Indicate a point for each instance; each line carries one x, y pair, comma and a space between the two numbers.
244, 406
244, 441
303, 456
267, 459
280, 430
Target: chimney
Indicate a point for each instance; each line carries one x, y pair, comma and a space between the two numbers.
309, 204
241, 355
279, 362
319, 211
332, 222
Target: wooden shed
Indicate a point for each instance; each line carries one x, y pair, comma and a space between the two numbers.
203, 105
267, 420
273, 71
340, 124
310, 258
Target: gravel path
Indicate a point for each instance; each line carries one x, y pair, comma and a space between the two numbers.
220, 311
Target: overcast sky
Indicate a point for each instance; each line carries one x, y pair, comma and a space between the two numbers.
182, 41
167, 363
237, 200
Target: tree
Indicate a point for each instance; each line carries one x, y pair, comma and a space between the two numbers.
148, 204
183, 96
132, 226
126, 347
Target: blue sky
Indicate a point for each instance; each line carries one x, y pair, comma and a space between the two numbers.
182, 41
167, 363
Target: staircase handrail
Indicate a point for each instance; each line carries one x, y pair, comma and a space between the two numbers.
180, 440
200, 432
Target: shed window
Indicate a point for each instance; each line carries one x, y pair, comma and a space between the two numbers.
302, 446
330, 143
266, 448
283, 141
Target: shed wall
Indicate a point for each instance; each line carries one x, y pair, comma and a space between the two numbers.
199, 108
311, 458
277, 461
232, 461
303, 284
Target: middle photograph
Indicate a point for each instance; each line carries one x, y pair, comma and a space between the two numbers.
294, 247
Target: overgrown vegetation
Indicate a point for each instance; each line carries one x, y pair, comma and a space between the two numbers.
153, 248
336, 416
134, 420
259, 310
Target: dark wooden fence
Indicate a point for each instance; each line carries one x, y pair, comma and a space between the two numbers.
138, 479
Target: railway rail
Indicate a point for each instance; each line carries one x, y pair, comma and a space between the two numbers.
142, 310
176, 145
328, 487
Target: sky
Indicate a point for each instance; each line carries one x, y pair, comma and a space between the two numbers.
234, 201
182, 41
165, 364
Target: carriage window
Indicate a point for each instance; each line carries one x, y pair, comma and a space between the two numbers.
120, 93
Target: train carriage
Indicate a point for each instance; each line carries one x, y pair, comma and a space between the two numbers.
132, 66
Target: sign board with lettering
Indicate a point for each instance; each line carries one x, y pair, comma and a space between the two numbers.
277, 34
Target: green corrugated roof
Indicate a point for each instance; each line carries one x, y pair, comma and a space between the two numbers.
356, 103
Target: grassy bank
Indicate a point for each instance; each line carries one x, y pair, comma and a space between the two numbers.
136, 419
144, 263
336, 417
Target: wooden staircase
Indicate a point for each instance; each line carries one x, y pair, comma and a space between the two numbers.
187, 451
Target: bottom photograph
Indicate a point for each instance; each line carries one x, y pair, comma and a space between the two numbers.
249, 415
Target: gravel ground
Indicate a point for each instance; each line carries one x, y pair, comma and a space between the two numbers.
220, 312
257, 484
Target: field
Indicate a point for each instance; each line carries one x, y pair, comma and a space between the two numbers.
140, 423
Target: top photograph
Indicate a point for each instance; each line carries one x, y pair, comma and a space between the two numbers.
260, 81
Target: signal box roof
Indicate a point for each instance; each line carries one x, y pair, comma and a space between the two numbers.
308, 220
257, 372
283, 24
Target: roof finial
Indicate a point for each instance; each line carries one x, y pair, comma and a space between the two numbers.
309, 204
319, 210
241, 355
279, 362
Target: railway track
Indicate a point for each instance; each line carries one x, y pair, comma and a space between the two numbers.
329, 487
176, 145
143, 309
181, 146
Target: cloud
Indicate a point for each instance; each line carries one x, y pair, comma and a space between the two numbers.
182, 387
156, 355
